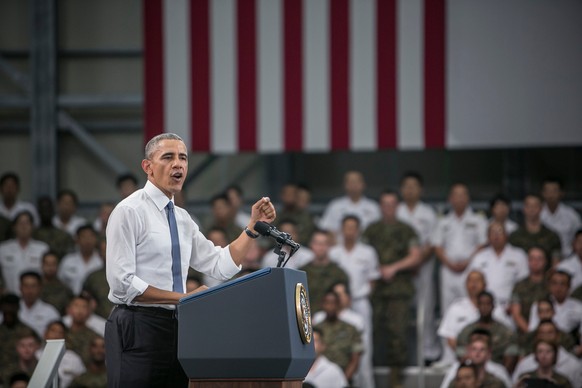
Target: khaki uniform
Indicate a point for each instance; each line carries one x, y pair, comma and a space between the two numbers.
545, 238
342, 340
319, 281
56, 293
96, 285
79, 342
304, 221
391, 300
90, 380
59, 241
503, 340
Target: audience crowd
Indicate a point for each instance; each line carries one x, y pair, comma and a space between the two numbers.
501, 300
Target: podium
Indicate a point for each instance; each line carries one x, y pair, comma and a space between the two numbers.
254, 331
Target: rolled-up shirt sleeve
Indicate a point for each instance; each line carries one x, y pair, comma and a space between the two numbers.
123, 228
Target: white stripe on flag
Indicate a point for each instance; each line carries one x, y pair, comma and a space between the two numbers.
177, 68
410, 78
270, 81
223, 91
316, 121
363, 75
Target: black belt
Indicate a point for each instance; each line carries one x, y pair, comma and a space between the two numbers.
153, 311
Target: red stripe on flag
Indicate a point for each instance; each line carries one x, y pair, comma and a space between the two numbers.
153, 36
434, 73
200, 74
339, 72
293, 78
386, 72
247, 90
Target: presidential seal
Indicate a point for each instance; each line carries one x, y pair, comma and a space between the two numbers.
303, 312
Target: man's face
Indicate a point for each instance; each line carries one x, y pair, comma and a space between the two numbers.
222, 210
536, 260
478, 352
9, 189
50, 266
497, 236
465, 378
26, 348
350, 230
475, 283
79, 310
46, 209
330, 305
551, 193
66, 206
168, 166
532, 207
545, 310
30, 289
87, 240
319, 245
23, 227
410, 190
388, 205
354, 184
459, 198
545, 355
500, 210
54, 331
485, 306
559, 286
547, 332
97, 350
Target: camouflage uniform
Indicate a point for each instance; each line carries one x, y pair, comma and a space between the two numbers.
90, 380
558, 379
56, 293
545, 238
79, 342
10, 369
391, 299
96, 285
503, 340
565, 340
341, 341
577, 294
8, 338
304, 221
489, 381
60, 242
526, 293
320, 279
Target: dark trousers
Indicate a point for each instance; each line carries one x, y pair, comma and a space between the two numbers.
141, 348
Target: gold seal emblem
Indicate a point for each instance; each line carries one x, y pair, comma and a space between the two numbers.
303, 312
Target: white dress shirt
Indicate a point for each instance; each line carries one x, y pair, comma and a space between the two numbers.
494, 368
501, 272
459, 236
367, 210
572, 265
38, 316
567, 315
70, 367
463, 312
326, 374
422, 219
139, 247
14, 260
360, 264
565, 221
74, 269
509, 225
71, 227
566, 364
18, 207
94, 322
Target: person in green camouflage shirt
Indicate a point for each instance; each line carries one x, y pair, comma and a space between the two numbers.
290, 211
96, 375
27, 343
80, 336
54, 291
344, 345
504, 347
534, 233
59, 241
399, 254
322, 273
96, 285
10, 327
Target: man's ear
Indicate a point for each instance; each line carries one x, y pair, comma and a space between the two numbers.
146, 166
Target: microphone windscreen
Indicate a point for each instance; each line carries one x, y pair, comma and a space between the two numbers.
262, 228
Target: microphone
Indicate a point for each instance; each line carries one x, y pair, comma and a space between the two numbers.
269, 230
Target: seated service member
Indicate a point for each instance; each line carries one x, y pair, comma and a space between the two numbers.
150, 246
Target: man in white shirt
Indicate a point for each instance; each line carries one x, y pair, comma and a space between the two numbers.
502, 264
458, 236
10, 206
66, 218
463, 312
566, 364
324, 373
499, 207
422, 218
573, 264
302, 257
354, 203
21, 253
150, 246
561, 218
34, 312
76, 266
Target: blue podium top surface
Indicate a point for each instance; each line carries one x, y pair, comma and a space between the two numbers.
218, 288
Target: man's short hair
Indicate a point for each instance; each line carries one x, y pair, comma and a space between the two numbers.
487, 294
70, 193
10, 176
533, 195
27, 332
412, 175
563, 273
500, 198
85, 227
10, 299
154, 141
31, 274
343, 283
126, 177
220, 197
553, 179
351, 217
235, 188
20, 214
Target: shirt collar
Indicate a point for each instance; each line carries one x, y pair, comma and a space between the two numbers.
156, 195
